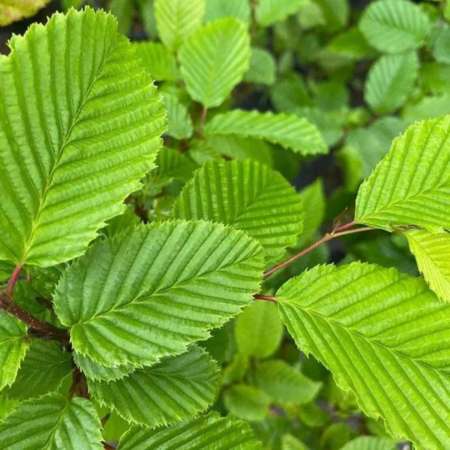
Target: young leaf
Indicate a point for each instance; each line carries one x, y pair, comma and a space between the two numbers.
313, 199
370, 443
210, 432
390, 82
88, 132
157, 59
258, 330
13, 10
176, 20
250, 197
262, 68
384, 336
53, 422
269, 12
432, 252
283, 383
214, 60
219, 9
152, 291
176, 388
247, 402
180, 123
289, 442
394, 26
13, 347
123, 11
411, 185
289, 94
287, 130
43, 369
336, 13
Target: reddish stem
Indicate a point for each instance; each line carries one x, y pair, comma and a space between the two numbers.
344, 227
267, 298
203, 120
13, 280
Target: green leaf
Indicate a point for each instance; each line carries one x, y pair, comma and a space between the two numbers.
153, 290
176, 20
370, 443
13, 347
157, 60
13, 10
352, 44
335, 436
123, 11
430, 107
219, 9
262, 68
43, 369
214, 60
391, 81
283, 383
258, 330
269, 12
432, 252
441, 44
290, 93
246, 402
88, 131
336, 13
97, 372
173, 165
180, 123
210, 432
53, 422
394, 26
406, 187
289, 442
176, 388
250, 197
287, 130
384, 336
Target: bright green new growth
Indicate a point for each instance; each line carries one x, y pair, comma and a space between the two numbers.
432, 252
88, 132
12, 10
214, 60
151, 291
376, 330
240, 193
411, 185
157, 60
209, 432
269, 12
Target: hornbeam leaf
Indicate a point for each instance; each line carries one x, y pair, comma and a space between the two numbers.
96, 371
390, 82
13, 347
250, 197
288, 130
385, 336
370, 443
157, 59
13, 10
269, 12
77, 133
43, 369
411, 184
214, 60
247, 402
153, 290
394, 26
210, 432
219, 9
432, 252
176, 388
53, 422
289, 442
176, 20
180, 122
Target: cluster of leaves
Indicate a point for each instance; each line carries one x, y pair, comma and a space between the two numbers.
164, 284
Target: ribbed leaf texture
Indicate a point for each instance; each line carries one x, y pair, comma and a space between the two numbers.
288, 130
385, 337
313, 198
219, 9
247, 402
13, 347
151, 291
214, 60
370, 443
411, 184
432, 252
249, 196
258, 331
210, 432
86, 128
96, 371
43, 369
157, 59
284, 383
395, 26
13, 10
176, 20
180, 122
52, 423
269, 12
390, 82
176, 388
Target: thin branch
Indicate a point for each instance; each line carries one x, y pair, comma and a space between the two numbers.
105, 419
79, 384
203, 120
13, 280
267, 298
327, 237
